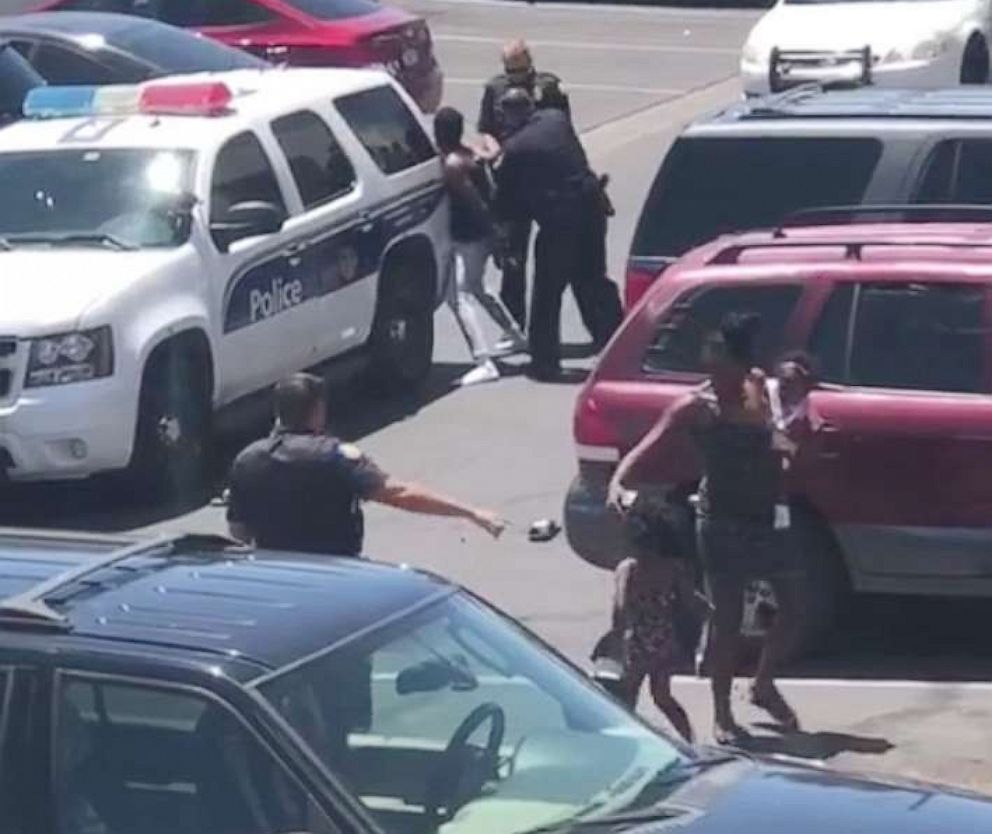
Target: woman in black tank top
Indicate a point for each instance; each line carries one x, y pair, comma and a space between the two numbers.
729, 421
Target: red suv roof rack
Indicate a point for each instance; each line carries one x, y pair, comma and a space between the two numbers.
847, 215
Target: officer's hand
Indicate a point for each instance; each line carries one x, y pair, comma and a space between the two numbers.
490, 522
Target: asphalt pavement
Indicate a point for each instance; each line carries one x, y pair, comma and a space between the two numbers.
905, 688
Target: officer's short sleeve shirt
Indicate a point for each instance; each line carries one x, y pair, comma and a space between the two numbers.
303, 492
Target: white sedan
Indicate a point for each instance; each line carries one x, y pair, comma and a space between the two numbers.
893, 43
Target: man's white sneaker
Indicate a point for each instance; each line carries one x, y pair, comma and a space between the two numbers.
483, 372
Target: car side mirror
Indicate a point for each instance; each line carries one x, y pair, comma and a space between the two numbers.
251, 218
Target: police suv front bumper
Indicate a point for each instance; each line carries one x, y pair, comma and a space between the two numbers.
65, 432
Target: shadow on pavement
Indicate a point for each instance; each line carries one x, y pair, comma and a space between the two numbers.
939, 639
106, 504
813, 746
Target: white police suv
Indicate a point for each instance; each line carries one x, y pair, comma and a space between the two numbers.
168, 249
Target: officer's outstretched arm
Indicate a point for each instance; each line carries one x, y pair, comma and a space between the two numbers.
418, 499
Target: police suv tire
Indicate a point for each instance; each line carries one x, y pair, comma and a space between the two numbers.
402, 341
975, 61
173, 429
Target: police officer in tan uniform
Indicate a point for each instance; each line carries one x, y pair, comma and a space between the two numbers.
545, 90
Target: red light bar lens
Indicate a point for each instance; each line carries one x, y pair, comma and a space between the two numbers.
207, 99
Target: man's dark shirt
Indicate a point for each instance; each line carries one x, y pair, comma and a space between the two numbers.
303, 492
543, 87
544, 173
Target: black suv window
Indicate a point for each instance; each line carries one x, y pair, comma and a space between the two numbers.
928, 337
958, 172
679, 340
59, 65
320, 167
242, 173
707, 187
387, 129
142, 758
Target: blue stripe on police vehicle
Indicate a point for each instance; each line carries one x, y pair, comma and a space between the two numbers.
353, 252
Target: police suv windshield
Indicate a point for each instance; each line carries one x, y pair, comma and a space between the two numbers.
124, 198
454, 719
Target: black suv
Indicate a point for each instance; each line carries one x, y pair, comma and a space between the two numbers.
760, 160
186, 685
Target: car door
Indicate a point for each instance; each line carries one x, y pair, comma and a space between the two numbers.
902, 455
263, 315
331, 236
231, 21
145, 756
24, 736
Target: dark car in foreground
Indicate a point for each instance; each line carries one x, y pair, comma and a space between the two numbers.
99, 49
306, 33
186, 685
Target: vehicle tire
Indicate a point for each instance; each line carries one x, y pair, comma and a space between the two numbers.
402, 340
172, 436
975, 61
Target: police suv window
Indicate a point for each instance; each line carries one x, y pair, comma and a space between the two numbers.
925, 337
678, 342
242, 173
144, 758
387, 129
320, 167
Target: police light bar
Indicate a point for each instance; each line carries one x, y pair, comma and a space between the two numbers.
195, 99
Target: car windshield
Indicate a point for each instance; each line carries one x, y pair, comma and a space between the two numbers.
711, 186
172, 50
335, 9
455, 718
126, 197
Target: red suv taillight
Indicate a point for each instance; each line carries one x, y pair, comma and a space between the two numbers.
595, 436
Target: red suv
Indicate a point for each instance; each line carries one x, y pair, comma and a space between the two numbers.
897, 496
308, 33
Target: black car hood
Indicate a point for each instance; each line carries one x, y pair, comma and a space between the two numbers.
771, 798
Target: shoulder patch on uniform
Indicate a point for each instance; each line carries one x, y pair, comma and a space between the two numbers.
349, 451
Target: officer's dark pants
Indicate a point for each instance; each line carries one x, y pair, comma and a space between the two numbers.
513, 290
571, 251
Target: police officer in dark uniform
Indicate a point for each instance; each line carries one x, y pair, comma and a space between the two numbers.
544, 176
301, 489
546, 91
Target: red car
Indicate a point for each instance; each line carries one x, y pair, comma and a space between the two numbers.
338, 33
896, 496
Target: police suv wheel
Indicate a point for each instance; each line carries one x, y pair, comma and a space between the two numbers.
171, 442
402, 341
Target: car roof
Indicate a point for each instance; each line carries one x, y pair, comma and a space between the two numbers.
814, 108
940, 251
75, 24
260, 96
199, 595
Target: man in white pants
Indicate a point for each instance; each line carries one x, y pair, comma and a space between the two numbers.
472, 232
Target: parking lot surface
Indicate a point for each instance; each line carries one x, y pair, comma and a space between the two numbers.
904, 690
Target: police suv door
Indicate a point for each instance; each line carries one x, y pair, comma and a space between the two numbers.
325, 232
264, 325
380, 126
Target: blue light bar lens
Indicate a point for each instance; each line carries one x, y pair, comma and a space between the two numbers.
55, 102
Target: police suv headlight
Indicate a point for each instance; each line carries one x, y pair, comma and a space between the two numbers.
70, 357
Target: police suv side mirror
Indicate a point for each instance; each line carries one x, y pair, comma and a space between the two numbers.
248, 219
